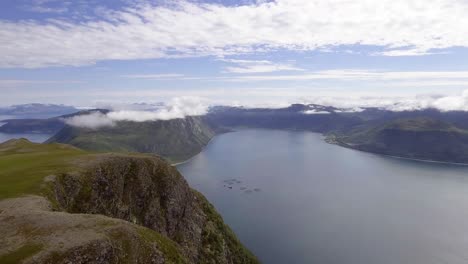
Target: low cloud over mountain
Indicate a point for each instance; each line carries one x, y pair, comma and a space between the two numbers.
177, 108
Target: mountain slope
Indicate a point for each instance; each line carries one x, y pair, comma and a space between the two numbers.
419, 138
176, 140
105, 208
314, 118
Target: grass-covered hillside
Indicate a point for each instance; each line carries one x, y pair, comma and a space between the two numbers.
23, 165
419, 138
60, 204
176, 140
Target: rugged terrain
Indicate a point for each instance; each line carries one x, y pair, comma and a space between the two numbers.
371, 129
60, 204
175, 140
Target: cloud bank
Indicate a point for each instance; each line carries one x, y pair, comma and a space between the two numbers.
180, 107
439, 102
92, 121
181, 29
177, 108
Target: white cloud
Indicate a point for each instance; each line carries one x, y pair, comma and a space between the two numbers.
179, 107
362, 75
181, 29
452, 103
258, 66
92, 121
315, 112
457, 102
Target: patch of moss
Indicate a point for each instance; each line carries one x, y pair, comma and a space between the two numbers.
21, 254
167, 246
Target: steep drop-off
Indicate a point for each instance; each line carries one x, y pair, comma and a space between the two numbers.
105, 208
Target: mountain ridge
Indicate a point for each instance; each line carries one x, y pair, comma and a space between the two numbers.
414, 138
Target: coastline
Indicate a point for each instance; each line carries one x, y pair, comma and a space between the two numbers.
332, 142
191, 158
344, 145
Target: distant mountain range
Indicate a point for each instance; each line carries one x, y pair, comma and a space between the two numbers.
416, 138
41, 126
422, 134
36, 111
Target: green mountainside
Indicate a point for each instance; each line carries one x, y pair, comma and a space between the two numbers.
422, 134
60, 204
176, 139
418, 138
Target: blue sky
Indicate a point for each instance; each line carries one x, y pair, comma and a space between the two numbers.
88, 52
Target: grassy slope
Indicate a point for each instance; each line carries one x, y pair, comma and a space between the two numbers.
23, 165
175, 140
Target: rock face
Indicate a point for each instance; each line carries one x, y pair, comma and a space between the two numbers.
111, 208
33, 233
148, 192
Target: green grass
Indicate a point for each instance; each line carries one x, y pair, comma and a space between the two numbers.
21, 254
24, 165
176, 140
167, 246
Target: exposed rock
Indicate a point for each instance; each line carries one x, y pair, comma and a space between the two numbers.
148, 192
106, 208
33, 233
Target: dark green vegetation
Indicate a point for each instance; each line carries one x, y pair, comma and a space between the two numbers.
104, 208
417, 138
176, 140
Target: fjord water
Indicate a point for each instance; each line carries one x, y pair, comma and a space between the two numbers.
292, 198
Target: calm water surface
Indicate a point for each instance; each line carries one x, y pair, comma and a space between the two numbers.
38, 138
292, 198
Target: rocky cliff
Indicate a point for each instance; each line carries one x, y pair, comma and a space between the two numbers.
112, 208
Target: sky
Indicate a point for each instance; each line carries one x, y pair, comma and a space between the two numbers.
246, 52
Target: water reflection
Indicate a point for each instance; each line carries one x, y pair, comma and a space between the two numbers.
320, 203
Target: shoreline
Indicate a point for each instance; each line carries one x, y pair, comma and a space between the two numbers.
337, 143
344, 145
191, 158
